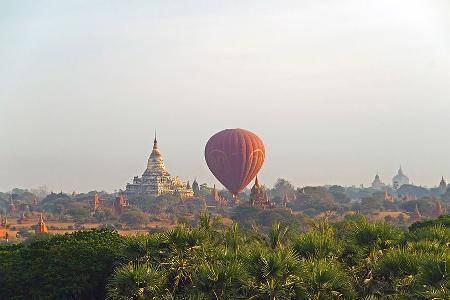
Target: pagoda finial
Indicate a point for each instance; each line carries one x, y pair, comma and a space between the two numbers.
256, 181
155, 143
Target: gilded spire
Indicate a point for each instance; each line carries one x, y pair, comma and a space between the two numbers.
155, 151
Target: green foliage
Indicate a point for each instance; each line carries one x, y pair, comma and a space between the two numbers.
351, 259
314, 200
324, 279
339, 194
437, 233
79, 212
277, 236
316, 244
70, 266
134, 218
136, 281
443, 220
247, 216
373, 236
220, 279
103, 214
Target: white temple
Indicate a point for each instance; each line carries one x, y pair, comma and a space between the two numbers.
377, 184
156, 180
399, 179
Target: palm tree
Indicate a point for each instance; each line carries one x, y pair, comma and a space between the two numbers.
277, 235
373, 236
395, 272
434, 275
136, 282
437, 233
274, 273
323, 279
317, 245
137, 248
222, 279
205, 221
232, 240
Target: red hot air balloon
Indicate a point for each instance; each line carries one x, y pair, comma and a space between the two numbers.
234, 156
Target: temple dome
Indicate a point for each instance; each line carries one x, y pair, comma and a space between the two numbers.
400, 179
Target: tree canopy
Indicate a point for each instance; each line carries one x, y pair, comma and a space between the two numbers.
349, 259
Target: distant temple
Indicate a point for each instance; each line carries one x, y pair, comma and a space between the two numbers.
156, 180
120, 204
439, 209
22, 219
285, 201
3, 229
195, 188
443, 186
258, 196
23, 207
41, 227
399, 179
12, 207
377, 184
215, 199
95, 202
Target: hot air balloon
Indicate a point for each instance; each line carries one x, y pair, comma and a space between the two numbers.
234, 156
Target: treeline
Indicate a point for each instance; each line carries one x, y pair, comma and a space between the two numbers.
350, 259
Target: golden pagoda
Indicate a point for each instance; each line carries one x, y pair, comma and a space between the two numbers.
41, 227
3, 229
156, 180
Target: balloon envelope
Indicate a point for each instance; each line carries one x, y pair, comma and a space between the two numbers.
234, 156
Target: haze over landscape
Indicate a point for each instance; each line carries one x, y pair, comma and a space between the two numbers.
337, 91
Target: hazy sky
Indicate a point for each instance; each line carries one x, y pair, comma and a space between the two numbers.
337, 90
